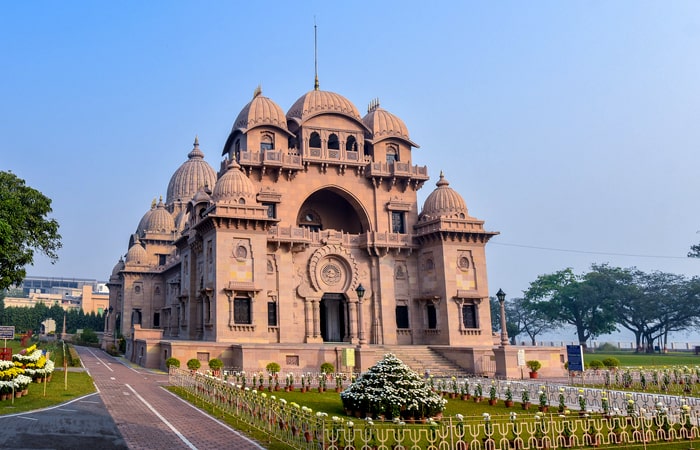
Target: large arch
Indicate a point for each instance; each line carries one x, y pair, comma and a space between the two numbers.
333, 208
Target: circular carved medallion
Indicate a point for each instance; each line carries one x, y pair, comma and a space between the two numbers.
330, 274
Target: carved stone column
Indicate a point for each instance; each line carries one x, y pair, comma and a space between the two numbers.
308, 320
352, 321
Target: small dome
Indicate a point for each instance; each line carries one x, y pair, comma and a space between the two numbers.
383, 124
260, 111
118, 267
444, 202
145, 219
160, 220
318, 102
190, 177
234, 186
136, 254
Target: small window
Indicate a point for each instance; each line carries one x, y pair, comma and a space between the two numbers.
397, 222
241, 311
271, 314
402, 316
392, 154
432, 316
237, 150
315, 140
351, 144
469, 316
267, 142
271, 210
156, 320
333, 142
161, 260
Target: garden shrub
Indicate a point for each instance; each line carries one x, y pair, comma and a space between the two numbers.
215, 364
607, 347
194, 364
272, 368
390, 388
611, 362
172, 362
596, 364
327, 368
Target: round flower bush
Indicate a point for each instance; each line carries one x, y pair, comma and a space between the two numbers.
390, 388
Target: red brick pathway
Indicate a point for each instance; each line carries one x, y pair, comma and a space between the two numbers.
150, 417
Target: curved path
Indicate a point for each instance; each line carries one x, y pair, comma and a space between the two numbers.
143, 416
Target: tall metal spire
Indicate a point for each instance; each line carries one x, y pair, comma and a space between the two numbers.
315, 58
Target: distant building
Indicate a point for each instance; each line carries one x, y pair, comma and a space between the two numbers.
68, 293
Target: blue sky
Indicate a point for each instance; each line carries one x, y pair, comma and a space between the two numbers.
569, 127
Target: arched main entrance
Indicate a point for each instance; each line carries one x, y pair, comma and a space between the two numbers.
332, 313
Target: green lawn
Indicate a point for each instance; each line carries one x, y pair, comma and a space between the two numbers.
79, 384
631, 359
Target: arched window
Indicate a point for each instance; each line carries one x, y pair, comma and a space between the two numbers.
392, 154
351, 144
267, 142
315, 140
237, 150
333, 142
368, 149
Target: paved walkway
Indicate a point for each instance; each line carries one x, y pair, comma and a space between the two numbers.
131, 410
150, 417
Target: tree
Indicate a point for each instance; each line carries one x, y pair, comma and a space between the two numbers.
584, 301
24, 228
530, 320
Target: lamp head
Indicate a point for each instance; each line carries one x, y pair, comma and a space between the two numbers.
501, 295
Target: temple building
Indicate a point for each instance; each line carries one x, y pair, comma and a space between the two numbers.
305, 245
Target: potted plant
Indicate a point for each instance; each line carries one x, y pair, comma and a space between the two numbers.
526, 399
194, 364
534, 365
509, 396
215, 365
492, 394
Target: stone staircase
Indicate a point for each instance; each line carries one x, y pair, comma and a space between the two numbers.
421, 358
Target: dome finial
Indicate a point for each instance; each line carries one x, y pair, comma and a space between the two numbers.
153, 203
196, 141
315, 58
257, 91
442, 181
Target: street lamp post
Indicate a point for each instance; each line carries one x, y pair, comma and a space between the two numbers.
504, 332
360, 290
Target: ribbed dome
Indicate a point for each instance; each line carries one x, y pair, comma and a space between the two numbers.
444, 202
136, 254
384, 124
233, 186
118, 267
160, 220
145, 219
318, 102
190, 177
260, 111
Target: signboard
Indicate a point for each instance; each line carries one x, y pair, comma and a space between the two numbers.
521, 357
7, 332
574, 354
349, 357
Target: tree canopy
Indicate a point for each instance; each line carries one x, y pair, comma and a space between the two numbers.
24, 228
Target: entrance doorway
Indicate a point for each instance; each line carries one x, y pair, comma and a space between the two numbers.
333, 317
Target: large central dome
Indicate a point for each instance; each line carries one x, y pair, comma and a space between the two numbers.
318, 102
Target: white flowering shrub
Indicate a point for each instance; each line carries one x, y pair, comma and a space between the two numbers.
390, 388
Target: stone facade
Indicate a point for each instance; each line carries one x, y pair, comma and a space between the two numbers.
265, 259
